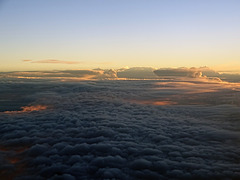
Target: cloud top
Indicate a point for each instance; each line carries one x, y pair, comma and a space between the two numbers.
187, 72
137, 73
63, 75
146, 73
26, 109
112, 130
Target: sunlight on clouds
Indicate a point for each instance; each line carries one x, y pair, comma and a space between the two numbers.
153, 102
229, 67
117, 129
164, 103
33, 108
135, 73
63, 75
190, 86
26, 109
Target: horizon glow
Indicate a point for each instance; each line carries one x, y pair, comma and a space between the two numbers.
114, 34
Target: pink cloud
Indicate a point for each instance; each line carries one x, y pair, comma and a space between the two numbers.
53, 61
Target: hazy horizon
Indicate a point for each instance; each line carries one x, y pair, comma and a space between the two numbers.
63, 35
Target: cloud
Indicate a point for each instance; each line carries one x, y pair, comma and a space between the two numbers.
65, 75
137, 73
95, 131
231, 67
200, 73
230, 77
26, 109
53, 61
187, 72
178, 72
147, 73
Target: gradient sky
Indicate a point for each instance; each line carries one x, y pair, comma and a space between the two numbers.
114, 34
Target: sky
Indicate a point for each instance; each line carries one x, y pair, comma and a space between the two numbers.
127, 89
60, 35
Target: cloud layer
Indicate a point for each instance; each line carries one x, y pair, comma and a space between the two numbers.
76, 75
137, 73
187, 72
146, 73
101, 130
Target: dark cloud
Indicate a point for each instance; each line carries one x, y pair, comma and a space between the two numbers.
95, 130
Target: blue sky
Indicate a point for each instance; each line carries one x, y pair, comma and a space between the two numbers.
108, 33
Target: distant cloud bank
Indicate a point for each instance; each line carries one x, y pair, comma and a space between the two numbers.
187, 72
122, 73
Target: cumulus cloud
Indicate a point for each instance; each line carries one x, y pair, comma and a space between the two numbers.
179, 72
126, 73
137, 73
95, 131
187, 72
